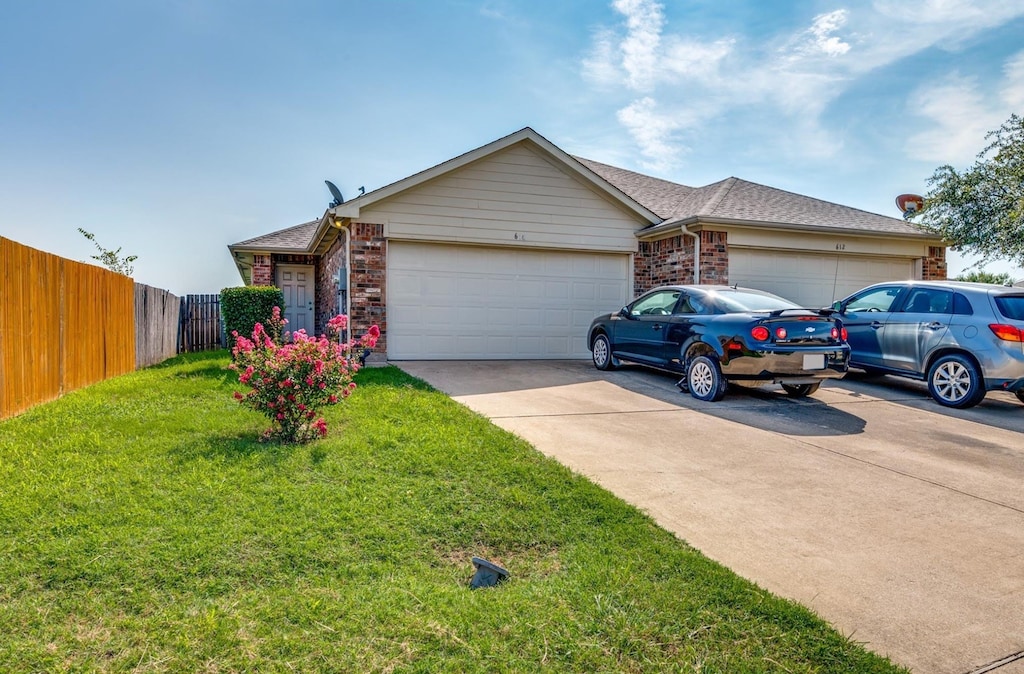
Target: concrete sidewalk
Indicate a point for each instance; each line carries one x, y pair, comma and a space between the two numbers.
900, 523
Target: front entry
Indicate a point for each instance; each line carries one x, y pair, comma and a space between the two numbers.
297, 281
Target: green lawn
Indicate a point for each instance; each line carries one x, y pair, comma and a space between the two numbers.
143, 528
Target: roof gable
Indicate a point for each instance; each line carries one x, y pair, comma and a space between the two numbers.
351, 209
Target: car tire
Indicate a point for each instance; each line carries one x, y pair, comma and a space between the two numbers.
954, 381
602, 354
705, 380
800, 390
1020, 395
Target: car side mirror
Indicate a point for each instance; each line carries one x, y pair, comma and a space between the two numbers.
838, 306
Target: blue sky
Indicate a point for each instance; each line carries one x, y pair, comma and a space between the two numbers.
172, 128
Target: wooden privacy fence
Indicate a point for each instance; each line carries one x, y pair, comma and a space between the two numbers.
156, 325
200, 323
63, 325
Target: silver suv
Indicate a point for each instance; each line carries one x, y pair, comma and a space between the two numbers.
964, 339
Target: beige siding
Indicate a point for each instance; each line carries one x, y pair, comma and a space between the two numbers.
515, 197
827, 242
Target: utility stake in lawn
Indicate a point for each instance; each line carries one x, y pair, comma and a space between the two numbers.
487, 574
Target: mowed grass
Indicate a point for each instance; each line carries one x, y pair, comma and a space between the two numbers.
144, 528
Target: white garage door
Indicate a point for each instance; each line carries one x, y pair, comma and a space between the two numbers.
813, 279
465, 302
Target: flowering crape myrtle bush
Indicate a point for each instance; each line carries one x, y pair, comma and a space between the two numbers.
291, 381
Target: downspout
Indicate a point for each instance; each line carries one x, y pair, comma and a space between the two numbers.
696, 252
340, 224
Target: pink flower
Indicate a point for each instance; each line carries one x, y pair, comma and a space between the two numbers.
238, 396
309, 381
322, 386
280, 416
332, 399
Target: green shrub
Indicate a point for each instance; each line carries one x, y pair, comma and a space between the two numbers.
244, 307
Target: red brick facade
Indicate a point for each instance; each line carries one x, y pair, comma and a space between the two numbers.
262, 271
714, 257
670, 261
368, 280
663, 262
934, 266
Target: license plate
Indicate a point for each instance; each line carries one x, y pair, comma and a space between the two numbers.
814, 361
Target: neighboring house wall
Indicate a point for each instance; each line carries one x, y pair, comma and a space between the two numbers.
934, 265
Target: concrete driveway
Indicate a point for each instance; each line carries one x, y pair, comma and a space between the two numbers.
898, 521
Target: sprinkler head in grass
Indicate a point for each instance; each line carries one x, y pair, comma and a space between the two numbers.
487, 574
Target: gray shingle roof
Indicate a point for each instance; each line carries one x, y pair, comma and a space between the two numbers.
298, 237
735, 199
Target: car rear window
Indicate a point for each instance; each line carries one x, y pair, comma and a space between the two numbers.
1011, 306
738, 300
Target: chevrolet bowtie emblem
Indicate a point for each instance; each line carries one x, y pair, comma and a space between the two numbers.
809, 330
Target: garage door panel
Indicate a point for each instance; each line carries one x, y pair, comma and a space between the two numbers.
812, 279
449, 302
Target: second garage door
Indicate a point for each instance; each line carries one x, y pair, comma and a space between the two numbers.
813, 279
465, 302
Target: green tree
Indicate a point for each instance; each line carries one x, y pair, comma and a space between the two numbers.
981, 210
983, 276
111, 259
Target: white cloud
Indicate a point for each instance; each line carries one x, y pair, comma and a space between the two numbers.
1013, 89
959, 119
961, 114
681, 82
644, 19
820, 38
653, 132
600, 67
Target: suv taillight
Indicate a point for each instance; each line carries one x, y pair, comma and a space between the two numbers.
1008, 333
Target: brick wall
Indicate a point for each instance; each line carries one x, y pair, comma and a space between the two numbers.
934, 266
262, 271
367, 280
663, 262
714, 257
333, 262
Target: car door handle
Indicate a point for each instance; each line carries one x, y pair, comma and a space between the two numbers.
876, 324
935, 325
656, 326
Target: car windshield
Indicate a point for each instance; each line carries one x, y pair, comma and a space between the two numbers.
1011, 306
745, 300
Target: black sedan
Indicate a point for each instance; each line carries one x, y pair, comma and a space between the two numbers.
716, 334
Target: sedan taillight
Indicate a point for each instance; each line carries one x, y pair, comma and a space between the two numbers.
845, 334
1008, 333
760, 333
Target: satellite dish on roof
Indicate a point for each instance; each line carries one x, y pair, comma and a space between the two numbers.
336, 193
909, 204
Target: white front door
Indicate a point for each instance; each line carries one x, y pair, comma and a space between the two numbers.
297, 283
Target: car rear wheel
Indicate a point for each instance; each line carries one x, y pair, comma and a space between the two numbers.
705, 379
800, 390
602, 353
954, 381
